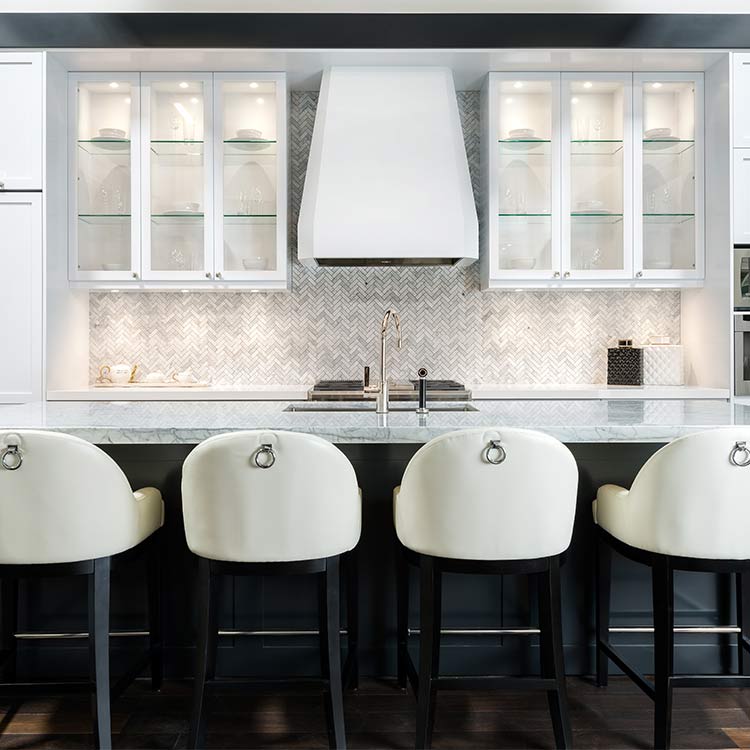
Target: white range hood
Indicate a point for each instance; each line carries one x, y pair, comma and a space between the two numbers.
387, 181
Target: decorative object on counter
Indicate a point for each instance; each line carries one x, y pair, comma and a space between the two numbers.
624, 364
155, 377
117, 374
663, 362
185, 377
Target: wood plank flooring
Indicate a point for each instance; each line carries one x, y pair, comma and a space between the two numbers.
380, 716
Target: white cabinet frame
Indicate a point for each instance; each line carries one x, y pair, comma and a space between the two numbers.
626, 79
699, 271
22, 304
208, 141
74, 273
277, 278
492, 184
22, 124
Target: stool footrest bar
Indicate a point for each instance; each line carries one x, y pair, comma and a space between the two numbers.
710, 680
31, 689
634, 674
493, 682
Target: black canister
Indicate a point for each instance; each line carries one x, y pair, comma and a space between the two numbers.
624, 364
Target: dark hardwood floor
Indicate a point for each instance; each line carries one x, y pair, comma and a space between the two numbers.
380, 716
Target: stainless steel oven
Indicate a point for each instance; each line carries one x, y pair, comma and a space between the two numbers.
742, 355
741, 277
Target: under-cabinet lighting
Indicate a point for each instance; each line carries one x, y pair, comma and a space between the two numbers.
185, 291
115, 291
587, 84
574, 100
657, 290
588, 290
518, 290
656, 85
183, 84
253, 85
260, 100
114, 85
518, 85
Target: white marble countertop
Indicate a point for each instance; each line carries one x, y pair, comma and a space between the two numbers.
189, 422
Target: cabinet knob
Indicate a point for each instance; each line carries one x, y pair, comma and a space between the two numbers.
218, 274
567, 274
556, 275
135, 275
208, 274
639, 275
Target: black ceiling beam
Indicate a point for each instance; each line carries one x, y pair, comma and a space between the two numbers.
375, 30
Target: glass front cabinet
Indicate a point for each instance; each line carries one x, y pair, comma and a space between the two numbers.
179, 179
592, 179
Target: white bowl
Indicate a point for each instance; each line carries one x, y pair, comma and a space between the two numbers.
522, 263
258, 263
111, 133
188, 206
249, 133
590, 205
521, 133
658, 133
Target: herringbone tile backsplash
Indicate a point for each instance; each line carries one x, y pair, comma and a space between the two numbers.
328, 327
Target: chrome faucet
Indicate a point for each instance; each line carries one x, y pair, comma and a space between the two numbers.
382, 397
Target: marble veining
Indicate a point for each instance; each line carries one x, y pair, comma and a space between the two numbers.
169, 422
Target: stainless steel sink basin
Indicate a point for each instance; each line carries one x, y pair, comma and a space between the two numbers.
369, 406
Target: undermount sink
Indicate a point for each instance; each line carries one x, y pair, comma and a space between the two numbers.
338, 406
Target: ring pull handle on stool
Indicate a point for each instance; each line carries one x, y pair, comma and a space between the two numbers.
265, 457
740, 448
11, 458
494, 453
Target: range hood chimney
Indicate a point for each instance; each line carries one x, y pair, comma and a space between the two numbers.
387, 181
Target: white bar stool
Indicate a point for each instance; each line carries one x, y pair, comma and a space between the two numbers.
66, 508
688, 509
270, 503
489, 501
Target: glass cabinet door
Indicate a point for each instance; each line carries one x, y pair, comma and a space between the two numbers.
597, 169
250, 188
526, 176
177, 175
105, 232
668, 174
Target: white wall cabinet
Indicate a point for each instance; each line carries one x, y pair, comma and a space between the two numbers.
21, 291
21, 89
179, 181
592, 179
741, 233
741, 103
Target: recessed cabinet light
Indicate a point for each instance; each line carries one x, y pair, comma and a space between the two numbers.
194, 100
518, 85
509, 100
587, 84
656, 85
253, 85
127, 100
574, 100
260, 100
114, 85
183, 84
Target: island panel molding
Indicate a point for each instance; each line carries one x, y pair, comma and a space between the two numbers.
450, 327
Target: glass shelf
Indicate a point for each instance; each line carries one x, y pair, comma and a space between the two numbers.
667, 218
250, 218
531, 146
256, 147
595, 147
666, 146
105, 146
177, 148
582, 217
103, 218
186, 218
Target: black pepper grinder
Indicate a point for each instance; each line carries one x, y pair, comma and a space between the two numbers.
422, 375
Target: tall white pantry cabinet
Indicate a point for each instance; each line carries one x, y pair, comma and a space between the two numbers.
21, 248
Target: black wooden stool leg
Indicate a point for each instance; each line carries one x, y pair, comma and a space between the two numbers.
99, 651
155, 611
551, 647
663, 597
743, 621
402, 609
603, 575
429, 649
352, 618
8, 628
205, 652
330, 644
